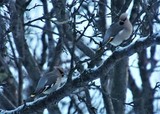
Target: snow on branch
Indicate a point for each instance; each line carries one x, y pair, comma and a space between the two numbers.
86, 76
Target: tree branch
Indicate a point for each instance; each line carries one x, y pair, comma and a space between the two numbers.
87, 76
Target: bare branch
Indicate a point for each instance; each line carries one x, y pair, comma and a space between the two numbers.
88, 75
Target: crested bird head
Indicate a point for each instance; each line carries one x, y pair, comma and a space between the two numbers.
123, 18
60, 69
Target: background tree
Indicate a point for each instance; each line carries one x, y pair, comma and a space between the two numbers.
36, 35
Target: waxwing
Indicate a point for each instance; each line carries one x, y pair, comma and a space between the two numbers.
118, 32
49, 82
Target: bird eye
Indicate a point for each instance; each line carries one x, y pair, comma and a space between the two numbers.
124, 19
61, 71
121, 22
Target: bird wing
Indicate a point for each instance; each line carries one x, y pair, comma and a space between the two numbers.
45, 83
52, 78
111, 32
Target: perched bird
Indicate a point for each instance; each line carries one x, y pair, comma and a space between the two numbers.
49, 82
118, 32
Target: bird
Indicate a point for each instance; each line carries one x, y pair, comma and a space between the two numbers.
118, 32
49, 82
